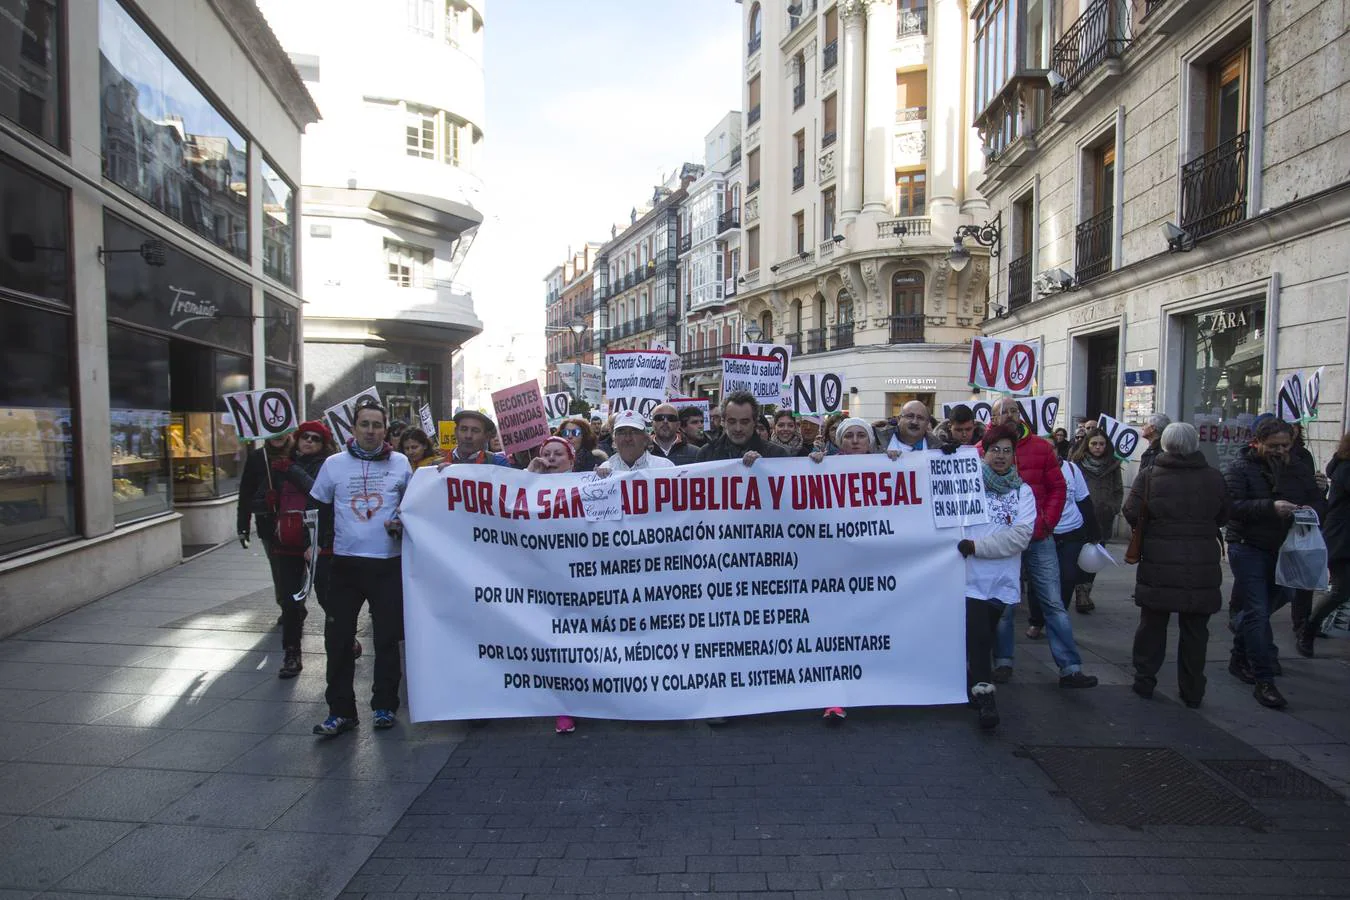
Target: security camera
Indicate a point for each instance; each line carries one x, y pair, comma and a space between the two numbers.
1055, 79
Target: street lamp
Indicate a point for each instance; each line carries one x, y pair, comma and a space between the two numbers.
578, 328
753, 333
986, 235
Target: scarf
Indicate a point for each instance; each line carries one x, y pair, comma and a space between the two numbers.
1094, 466
369, 455
792, 446
1000, 484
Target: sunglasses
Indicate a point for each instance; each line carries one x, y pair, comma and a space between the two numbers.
665, 418
571, 432
307, 436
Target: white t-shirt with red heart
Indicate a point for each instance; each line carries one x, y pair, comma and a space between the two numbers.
365, 495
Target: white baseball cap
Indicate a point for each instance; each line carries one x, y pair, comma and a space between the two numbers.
630, 418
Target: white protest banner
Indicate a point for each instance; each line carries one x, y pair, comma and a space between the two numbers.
342, 417
984, 412
817, 393
592, 381
636, 379
1040, 413
1312, 394
427, 419
262, 414
782, 352
521, 420
1289, 401
556, 406
756, 374
1005, 366
1123, 438
958, 488
676, 367
723, 590
699, 403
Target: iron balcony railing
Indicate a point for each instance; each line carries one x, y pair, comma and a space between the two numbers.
911, 21
735, 154
792, 339
1151, 5
1019, 282
1214, 188
815, 340
1092, 246
753, 115
1098, 35
829, 57
798, 96
842, 338
729, 219
798, 176
706, 357
827, 139
752, 47
907, 329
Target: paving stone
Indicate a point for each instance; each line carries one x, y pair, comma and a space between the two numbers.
197, 751
300, 866
38, 852
137, 863
24, 786
127, 795
236, 801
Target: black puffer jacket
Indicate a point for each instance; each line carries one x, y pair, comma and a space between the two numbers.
1179, 561
1336, 523
254, 483
723, 448
1253, 487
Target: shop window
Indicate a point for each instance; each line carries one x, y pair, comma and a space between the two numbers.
164, 141
1223, 376
281, 330
34, 228
37, 438
278, 225
31, 67
138, 384
207, 456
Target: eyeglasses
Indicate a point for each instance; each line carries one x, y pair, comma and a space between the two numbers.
665, 418
571, 432
310, 437
998, 450
913, 417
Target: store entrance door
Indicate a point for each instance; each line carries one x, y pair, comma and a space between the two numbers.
1103, 374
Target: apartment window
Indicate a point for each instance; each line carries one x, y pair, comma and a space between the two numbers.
827, 214
995, 51
409, 265
907, 289
799, 170
799, 230
1023, 236
910, 193
829, 54
752, 116
452, 136
1093, 235
29, 56
799, 81
829, 121
421, 131
1228, 98
752, 171
756, 29
911, 96
766, 326
752, 248
1214, 182
422, 17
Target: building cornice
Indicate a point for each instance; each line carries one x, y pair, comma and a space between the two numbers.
250, 30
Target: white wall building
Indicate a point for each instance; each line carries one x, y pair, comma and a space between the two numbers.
391, 192
857, 157
148, 155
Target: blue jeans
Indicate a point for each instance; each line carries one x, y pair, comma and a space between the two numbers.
1042, 565
1256, 597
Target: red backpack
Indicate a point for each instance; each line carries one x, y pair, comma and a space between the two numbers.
291, 503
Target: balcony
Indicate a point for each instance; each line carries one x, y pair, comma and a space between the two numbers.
798, 176
686, 241
816, 340
906, 329
798, 96
706, 357
729, 219
827, 139
842, 338
735, 154
911, 21
1097, 35
753, 115
1214, 188
911, 114
752, 47
1092, 246
911, 226
792, 339
1019, 282
829, 57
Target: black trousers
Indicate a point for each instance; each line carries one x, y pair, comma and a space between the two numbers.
982, 617
1300, 608
355, 581
288, 575
1150, 649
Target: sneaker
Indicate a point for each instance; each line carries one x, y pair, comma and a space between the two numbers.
1268, 695
356, 650
1002, 674
835, 714
335, 725
290, 665
385, 718
1077, 680
983, 695
1142, 688
1241, 670
564, 725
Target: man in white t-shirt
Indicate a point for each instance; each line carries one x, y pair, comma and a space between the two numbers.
364, 484
630, 446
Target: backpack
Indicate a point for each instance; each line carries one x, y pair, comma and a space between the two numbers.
290, 512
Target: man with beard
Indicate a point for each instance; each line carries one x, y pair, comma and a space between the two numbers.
911, 429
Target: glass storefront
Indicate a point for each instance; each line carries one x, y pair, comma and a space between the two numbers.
31, 66
164, 141
34, 234
278, 225
138, 383
1223, 376
281, 337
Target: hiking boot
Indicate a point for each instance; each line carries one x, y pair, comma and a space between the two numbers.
290, 665
1268, 695
983, 695
1082, 599
1002, 674
1241, 670
1077, 680
335, 725
385, 718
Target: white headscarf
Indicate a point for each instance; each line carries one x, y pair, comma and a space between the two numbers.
855, 421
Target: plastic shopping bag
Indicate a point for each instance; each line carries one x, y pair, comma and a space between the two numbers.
1303, 556
1337, 625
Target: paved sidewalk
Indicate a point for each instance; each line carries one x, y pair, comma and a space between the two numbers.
147, 749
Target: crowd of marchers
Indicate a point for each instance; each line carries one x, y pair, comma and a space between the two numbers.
1051, 503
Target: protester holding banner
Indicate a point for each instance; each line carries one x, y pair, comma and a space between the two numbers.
1180, 504
993, 569
473, 430
960, 428
1106, 484
666, 441
577, 432
630, 447
787, 435
912, 429
1038, 466
740, 413
1336, 532
363, 486
555, 456
1265, 489
258, 498
417, 446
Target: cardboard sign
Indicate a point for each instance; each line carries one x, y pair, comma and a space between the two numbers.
1122, 437
756, 374
699, 403
781, 352
1005, 366
636, 379
521, 421
1040, 413
259, 415
556, 406
592, 381
1298, 398
958, 488
428, 421
676, 367
984, 412
818, 393
445, 434
1312, 394
342, 417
